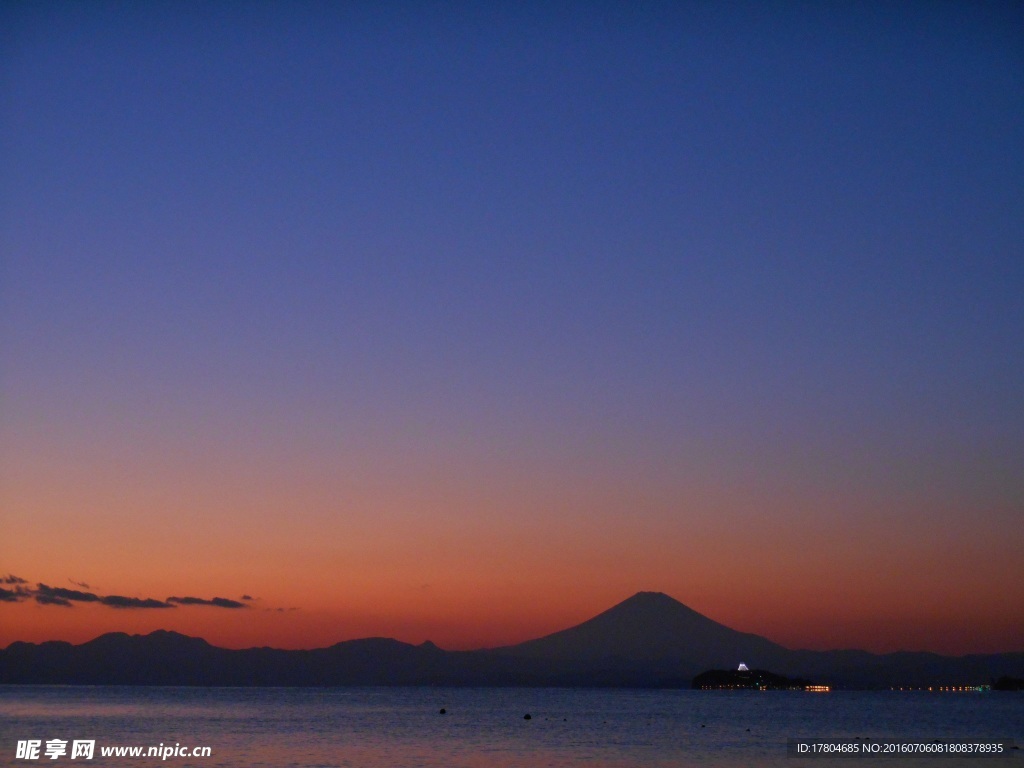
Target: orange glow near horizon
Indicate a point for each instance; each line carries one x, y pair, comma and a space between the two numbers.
490, 560
465, 627
499, 580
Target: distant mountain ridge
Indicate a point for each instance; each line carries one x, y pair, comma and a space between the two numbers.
648, 640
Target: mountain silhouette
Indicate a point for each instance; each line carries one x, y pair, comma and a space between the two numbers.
648, 640
651, 626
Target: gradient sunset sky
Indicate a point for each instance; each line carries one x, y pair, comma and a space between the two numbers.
465, 321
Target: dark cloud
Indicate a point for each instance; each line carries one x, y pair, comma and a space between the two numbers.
59, 593
47, 595
217, 602
15, 595
119, 601
224, 602
81, 584
49, 600
44, 594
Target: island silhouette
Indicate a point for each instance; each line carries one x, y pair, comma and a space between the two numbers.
649, 640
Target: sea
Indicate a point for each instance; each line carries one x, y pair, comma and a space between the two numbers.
489, 727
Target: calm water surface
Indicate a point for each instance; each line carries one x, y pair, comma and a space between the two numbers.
378, 727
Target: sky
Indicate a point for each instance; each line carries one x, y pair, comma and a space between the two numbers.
466, 321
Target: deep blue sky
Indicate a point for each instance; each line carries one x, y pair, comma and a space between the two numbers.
748, 264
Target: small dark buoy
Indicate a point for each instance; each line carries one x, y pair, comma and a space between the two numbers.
527, 716
748, 730
702, 725
444, 711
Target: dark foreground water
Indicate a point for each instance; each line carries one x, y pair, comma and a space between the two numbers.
376, 727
